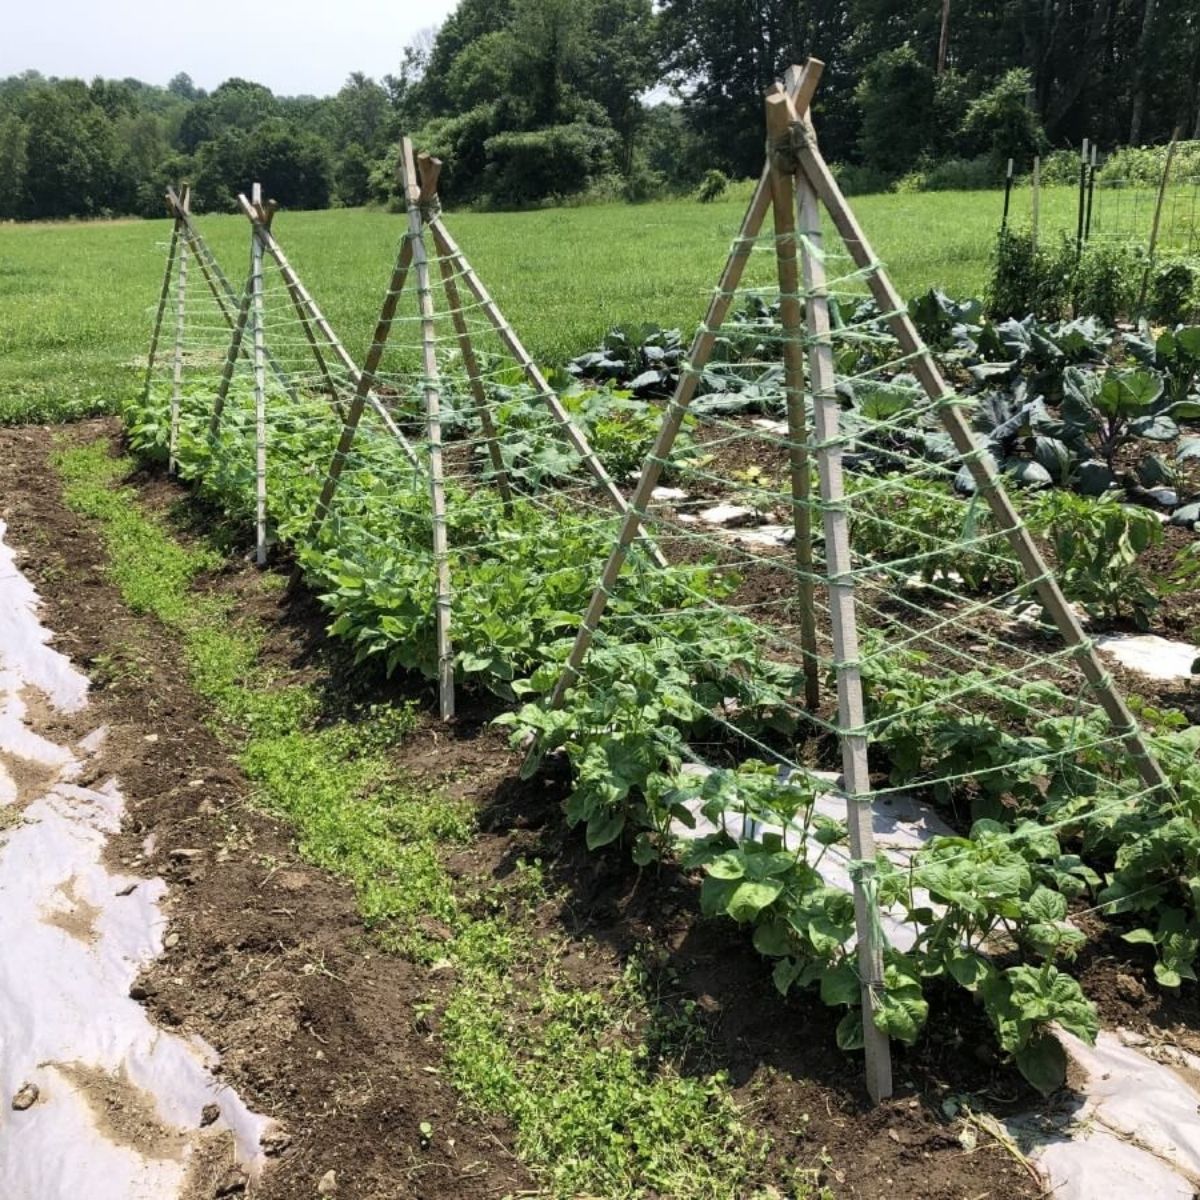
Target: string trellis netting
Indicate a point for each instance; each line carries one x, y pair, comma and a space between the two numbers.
855, 612
804, 651
508, 500
446, 495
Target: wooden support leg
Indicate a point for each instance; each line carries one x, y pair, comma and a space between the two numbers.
783, 197
433, 430
236, 340
856, 781
802, 89
177, 372
980, 464
260, 400
161, 311
471, 365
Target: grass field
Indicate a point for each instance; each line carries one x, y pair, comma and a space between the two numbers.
76, 300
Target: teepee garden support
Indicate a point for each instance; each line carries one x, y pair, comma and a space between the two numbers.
983, 470
793, 154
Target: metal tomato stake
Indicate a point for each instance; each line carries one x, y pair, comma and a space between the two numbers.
1008, 181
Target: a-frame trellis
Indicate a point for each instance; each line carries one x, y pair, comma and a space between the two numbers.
419, 186
188, 245
798, 185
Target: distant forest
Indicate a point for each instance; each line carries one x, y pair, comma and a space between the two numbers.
532, 101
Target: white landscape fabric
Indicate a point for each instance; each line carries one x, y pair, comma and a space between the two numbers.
71, 945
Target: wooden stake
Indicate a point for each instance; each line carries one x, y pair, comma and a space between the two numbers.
260, 390
856, 779
471, 365
231, 357
1158, 207
780, 114
535, 377
801, 86
1037, 189
433, 427
1008, 181
982, 469
177, 373
168, 274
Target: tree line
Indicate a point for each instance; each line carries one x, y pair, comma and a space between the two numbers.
530, 101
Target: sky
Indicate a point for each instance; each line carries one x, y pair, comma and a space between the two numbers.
301, 47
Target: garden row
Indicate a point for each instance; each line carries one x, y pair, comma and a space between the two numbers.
1058, 821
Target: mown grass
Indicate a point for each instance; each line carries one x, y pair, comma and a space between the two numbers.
591, 1079
77, 299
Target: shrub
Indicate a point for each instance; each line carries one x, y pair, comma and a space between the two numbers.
524, 167
1173, 291
1105, 280
1051, 280
857, 180
712, 186
962, 175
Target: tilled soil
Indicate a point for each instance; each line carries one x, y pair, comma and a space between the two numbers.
269, 961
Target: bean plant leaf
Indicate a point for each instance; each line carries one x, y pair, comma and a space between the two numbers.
850, 1034
604, 828
1043, 1062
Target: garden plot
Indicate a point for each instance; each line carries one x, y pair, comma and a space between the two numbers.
103, 1103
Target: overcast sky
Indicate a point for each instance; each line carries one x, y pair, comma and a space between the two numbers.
303, 46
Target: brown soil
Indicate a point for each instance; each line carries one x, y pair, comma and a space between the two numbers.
270, 962
124, 1113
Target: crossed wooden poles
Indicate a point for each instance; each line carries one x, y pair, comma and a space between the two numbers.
423, 213
796, 182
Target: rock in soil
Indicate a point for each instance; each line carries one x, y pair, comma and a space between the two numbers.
26, 1097
209, 1115
328, 1184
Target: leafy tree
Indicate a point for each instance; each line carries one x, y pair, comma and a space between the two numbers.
363, 113
13, 140
896, 96
70, 154
353, 176
1001, 122
181, 85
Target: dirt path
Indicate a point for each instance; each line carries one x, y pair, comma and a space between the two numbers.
267, 958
